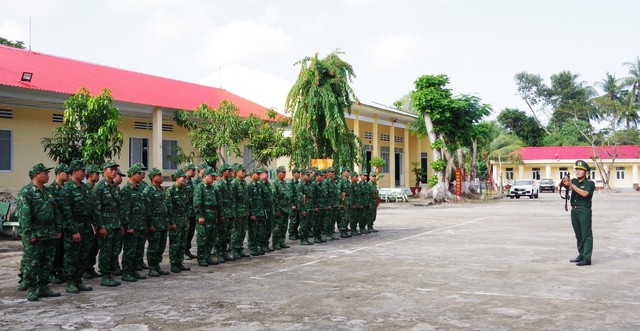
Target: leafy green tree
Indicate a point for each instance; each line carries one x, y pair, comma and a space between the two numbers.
518, 123
569, 134
15, 44
505, 147
89, 130
318, 101
266, 138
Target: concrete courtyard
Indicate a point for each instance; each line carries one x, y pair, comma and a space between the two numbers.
498, 265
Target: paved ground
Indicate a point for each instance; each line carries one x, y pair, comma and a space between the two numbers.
501, 265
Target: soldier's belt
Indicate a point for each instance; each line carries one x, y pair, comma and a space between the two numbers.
580, 207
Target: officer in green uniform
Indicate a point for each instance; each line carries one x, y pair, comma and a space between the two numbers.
134, 221
141, 244
158, 221
256, 225
346, 193
227, 215
365, 196
375, 201
582, 189
282, 202
356, 204
190, 171
241, 198
178, 210
106, 195
93, 177
267, 201
62, 176
319, 208
207, 210
333, 203
294, 216
305, 204
76, 207
201, 167
117, 271
40, 223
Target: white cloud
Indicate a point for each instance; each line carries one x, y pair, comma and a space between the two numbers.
242, 41
396, 50
15, 31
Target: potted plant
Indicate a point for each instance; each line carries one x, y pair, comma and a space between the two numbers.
420, 173
378, 163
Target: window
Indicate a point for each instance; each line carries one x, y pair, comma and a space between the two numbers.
384, 153
169, 151
139, 151
593, 175
619, 172
398, 139
5, 150
509, 174
368, 135
384, 137
424, 162
368, 154
564, 171
535, 172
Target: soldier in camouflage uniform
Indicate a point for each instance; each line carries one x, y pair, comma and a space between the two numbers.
294, 216
227, 214
158, 221
106, 195
143, 185
62, 176
241, 198
40, 223
305, 204
365, 196
201, 167
256, 225
134, 221
190, 171
330, 184
375, 201
356, 204
178, 211
92, 174
76, 207
319, 207
282, 200
207, 209
267, 201
345, 194
117, 271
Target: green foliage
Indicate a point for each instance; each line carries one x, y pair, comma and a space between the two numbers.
505, 147
89, 130
15, 44
437, 144
438, 165
518, 123
266, 138
418, 172
568, 135
377, 161
318, 102
433, 181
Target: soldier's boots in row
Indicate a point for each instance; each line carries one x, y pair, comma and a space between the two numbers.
257, 252
305, 241
77, 287
179, 267
55, 279
107, 280
155, 271
90, 274
42, 292
371, 229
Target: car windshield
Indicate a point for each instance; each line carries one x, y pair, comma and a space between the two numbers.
546, 181
522, 182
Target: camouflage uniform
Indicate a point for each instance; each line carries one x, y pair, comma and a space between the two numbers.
294, 216
158, 219
207, 207
256, 226
40, 222
333, 203
267, 201
178, 206
90, 272
76, 206
356, 205
375, 201
191, 216
320, 208
305, 203
282, 200
143, 186
57, 272
134, 221
227, 216
346, 195
239, 232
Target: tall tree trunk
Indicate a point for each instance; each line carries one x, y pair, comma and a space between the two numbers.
440, 192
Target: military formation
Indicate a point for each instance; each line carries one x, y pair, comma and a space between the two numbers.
88, 216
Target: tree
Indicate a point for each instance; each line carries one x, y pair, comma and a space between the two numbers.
15, 44
318, 101
518, 123
266, 138
89, 130
505, 147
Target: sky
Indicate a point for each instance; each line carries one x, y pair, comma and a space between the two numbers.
480, 45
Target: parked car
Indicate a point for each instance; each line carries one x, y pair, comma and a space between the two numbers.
546, 184
523, 187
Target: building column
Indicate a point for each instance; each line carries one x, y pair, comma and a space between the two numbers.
634, 174
547, 171
408, 180
156, 139
392, 153
376, 138
356, 131
520, 172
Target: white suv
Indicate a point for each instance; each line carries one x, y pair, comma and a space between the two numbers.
523, 187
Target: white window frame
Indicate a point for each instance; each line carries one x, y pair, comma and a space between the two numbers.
386, 155
535, 173
509, 174
131, 161
564, 171
10, 152
620, 172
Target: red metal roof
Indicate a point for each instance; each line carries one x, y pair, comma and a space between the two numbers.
577, 152
58, 74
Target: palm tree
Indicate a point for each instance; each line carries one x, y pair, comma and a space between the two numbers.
611, 86
505, 147
634, 79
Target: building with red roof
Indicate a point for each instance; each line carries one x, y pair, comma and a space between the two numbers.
34, 86
555, 162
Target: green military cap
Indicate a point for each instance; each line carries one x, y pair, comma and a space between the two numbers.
189, 166
319, 172
36, 169
346, 169
203, 165
239, 167
296, 169
330, 169
120, 173
141, 166
354, 173
281, 169
76, 165
257, 170
92, 169
134, 169
209, 171
61, 168
110, 164
306, 172
314, 168
224, 167
154, 171
373, 173
180, 173
580, 164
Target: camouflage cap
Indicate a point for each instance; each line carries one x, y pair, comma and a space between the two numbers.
189, 166
319, 173
281, 169
256, 170
133, 170
141, 166
306, 172
92, 169
203, 165
154, 171
61, 168
354, 173
314, 168
239, 167
208, 171
373, 173
330, 169
38, 168
110, 164
120, 173
346, 169
76, 165
580, 164
180, 173
294, 170
225, 167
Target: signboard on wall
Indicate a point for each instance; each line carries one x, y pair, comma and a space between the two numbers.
321, 163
